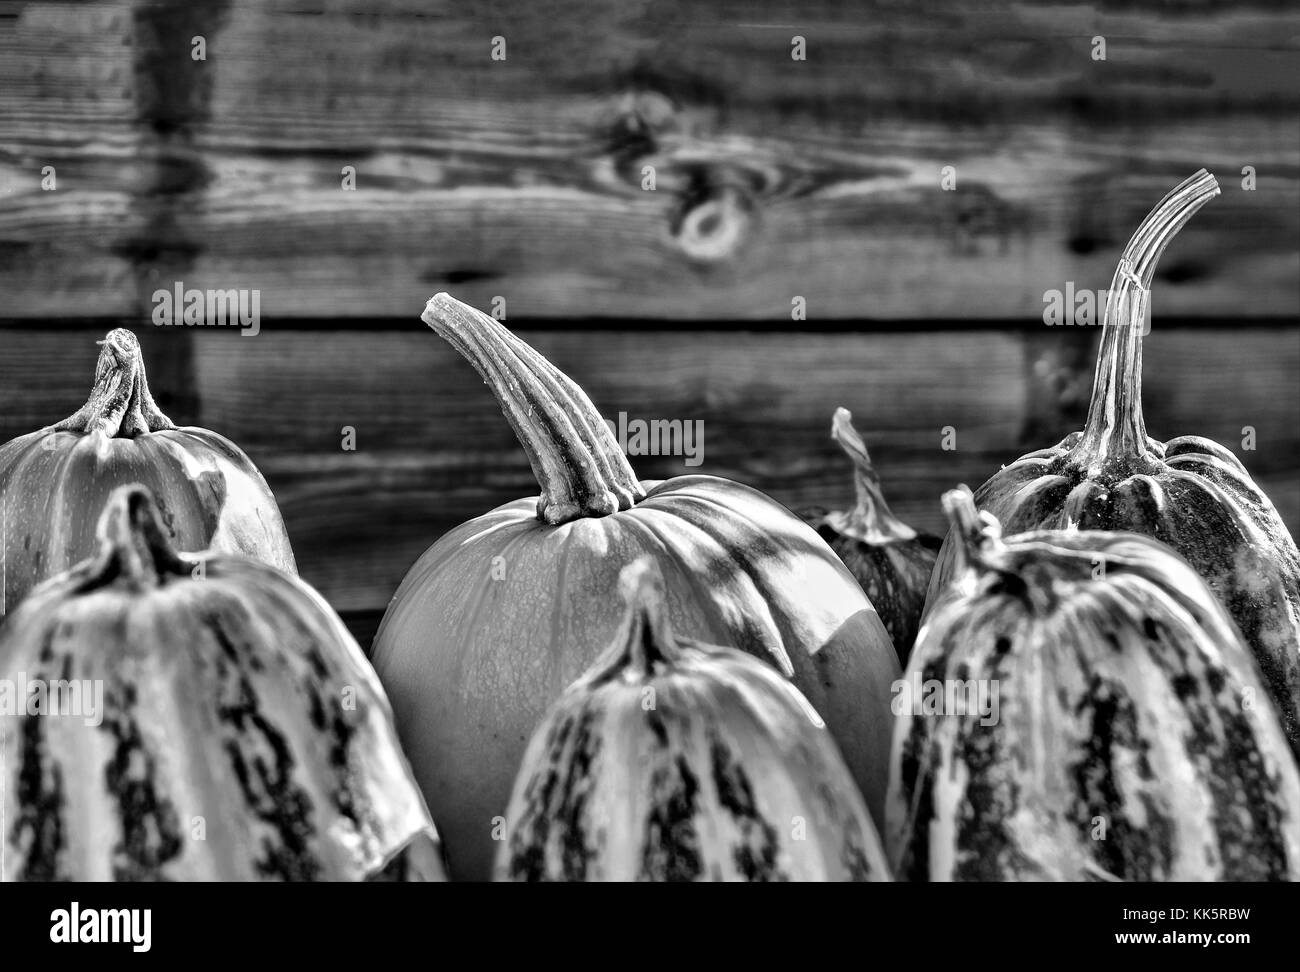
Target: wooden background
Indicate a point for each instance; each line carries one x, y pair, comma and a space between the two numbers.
522, 179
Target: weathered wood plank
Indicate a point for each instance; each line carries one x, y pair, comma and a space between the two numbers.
775, 178
433, 449
67, 101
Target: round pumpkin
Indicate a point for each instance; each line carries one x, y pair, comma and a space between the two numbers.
54, 482
1081, 707
188, 717
502, 613
1190, 492
891, 561
678, 761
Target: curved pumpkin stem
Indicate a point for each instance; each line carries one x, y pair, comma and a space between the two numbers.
871, 520
1115, 430
577, 462
120, 404
131, 536
976, 533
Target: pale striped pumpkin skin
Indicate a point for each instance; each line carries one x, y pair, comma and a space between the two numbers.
243, 737
1134, 739
689, 763
54, 482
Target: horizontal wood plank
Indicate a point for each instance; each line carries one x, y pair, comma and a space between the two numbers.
434, 450
522, 178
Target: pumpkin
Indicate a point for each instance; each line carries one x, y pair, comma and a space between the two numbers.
502, 613
54, 482
888, 558
1189, 492
671, 760
1118, 728
196, 717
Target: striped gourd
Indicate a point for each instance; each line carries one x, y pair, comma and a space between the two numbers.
1129, 734
1189, 492
676, 761
170, 716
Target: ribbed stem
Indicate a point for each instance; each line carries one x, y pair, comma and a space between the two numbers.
871, 520
577, 462
130, 534
975, 533
120, 404
1115, 431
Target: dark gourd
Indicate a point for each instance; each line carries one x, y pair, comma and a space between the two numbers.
1131, 738
888, 558
677, 761
1189, 492
501, 615
54, 482
216, 722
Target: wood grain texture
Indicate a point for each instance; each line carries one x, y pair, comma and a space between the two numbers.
522, 178
67, 100
432, 448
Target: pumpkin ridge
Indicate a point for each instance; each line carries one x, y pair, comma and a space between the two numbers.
561, 576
